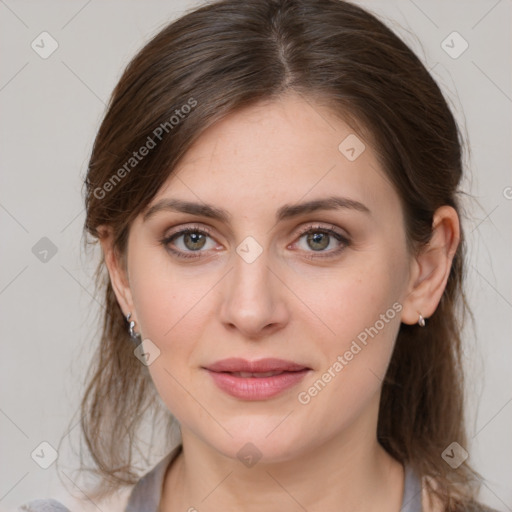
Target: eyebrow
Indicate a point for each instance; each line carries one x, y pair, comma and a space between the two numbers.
285, 212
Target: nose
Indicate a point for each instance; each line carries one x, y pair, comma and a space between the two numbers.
253, 298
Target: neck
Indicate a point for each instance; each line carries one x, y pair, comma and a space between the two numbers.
348, 473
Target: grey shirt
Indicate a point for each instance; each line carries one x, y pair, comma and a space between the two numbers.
146, 494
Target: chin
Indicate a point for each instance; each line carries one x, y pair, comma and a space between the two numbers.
263, 443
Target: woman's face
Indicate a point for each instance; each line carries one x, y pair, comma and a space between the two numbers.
319, 287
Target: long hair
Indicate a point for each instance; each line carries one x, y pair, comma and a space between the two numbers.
227, 55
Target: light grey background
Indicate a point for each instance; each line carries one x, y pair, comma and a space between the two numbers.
50, 111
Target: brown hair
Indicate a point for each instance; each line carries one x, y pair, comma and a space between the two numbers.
228, 55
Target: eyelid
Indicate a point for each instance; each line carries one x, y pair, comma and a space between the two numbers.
193, 227
312, 227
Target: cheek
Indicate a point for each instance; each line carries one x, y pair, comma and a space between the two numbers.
362, 313
171, 311
165, 297
170, 315
352, 301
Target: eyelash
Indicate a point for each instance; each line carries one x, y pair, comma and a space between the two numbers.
204, 231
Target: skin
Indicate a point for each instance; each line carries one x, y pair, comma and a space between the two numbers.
283, 304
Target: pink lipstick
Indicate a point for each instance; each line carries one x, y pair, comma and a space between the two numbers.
256, 380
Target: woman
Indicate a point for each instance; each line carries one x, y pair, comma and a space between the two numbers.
275, 191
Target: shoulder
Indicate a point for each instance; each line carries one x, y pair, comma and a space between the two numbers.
68, 503
43, 506
148, 485
431, 503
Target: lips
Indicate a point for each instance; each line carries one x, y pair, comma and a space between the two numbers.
256, 380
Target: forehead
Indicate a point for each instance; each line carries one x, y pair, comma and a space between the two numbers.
282, 150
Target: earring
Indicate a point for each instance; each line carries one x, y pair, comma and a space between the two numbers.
133, 335
421, 321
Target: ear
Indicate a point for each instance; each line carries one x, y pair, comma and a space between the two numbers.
431, 267
117, 270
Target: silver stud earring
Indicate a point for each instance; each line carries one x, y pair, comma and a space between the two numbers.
133, 335
421, 321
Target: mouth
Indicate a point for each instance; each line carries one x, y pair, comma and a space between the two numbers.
245, 375
260, 366
256, 380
